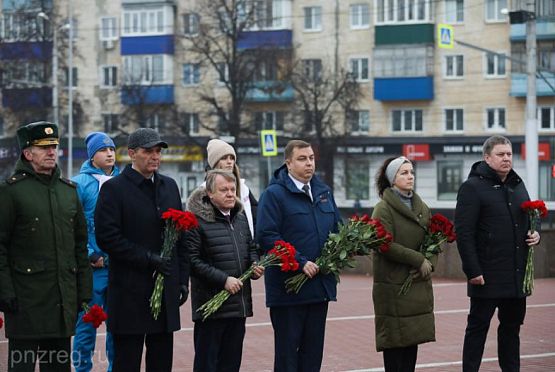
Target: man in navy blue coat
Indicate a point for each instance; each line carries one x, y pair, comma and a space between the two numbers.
299, 208
129, 229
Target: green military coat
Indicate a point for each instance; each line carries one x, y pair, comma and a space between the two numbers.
43, 254
402, 320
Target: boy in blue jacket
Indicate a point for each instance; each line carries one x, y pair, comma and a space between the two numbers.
99, 168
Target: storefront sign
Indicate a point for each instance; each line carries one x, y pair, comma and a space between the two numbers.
544, 151
461, 149
417, 152
361, 149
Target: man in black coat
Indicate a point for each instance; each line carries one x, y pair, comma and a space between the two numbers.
493, 237
221, 250
129, 229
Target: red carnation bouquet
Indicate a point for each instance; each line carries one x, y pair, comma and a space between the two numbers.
1, 322
536, 210
94, 314
176, 222
439, 231
282, 254
356, 238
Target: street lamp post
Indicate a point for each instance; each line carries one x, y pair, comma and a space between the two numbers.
70, 94
531, 129
54, 78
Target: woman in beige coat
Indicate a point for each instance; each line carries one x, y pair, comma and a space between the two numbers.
402, 321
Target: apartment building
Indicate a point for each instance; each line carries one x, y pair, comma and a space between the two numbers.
142, 62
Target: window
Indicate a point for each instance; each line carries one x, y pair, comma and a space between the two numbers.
400, 11
108, 28
449, 178
454, 66
357, 176
111, 122
222, 70
20, 26
147, 21
403, 61
454, 120
495, 118
264, 70
147, 69
454, 11
359, 121
16, 72
269, 120
313, 18
312, 69
359, 68
2, 130
109, 76
406, 120
360, 16
191, 123
191, 73
495, 65
546, 182
546, 55
546, 118
155, 121
493, 10
190, 24
544, 8
74, 77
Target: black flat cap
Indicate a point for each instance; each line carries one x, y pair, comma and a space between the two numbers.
145, 138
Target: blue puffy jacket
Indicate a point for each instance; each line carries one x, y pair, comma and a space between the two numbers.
286, 213
87, 189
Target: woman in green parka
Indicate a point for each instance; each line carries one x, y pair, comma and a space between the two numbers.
403, 321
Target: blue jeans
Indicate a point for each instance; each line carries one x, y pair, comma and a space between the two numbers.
85, 334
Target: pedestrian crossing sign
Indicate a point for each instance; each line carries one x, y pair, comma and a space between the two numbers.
268, 141
445, 36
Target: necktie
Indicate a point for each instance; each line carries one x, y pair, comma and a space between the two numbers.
306, 189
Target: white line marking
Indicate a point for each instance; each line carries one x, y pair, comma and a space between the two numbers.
457, 363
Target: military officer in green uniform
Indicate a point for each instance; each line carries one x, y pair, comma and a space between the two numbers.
44, 270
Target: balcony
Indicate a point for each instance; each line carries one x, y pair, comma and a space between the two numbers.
266, 39
18, 99
544, 31
404, 34
133, 95
159, 44
37, 50
404, 89
270, 91
519, 85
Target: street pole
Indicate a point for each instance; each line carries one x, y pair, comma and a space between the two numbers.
531, 137
55, 115
70, 94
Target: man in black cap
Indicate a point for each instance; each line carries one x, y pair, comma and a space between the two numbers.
44, 271
129, 229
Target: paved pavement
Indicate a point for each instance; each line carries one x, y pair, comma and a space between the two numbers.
350, 332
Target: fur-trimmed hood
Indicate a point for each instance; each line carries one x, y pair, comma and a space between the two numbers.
200, 205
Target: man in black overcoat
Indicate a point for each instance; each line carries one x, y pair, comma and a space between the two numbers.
129, 229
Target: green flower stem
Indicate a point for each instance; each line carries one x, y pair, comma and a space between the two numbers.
528, 286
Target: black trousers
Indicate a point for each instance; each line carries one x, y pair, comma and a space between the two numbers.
510, 313
52, 355
400, 359
128, 352
219, 345
299, 337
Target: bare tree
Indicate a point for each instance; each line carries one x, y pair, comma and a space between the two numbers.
324, 101
216, 42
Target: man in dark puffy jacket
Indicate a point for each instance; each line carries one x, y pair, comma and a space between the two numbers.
220, 251
493, 237
299, 208
44, 271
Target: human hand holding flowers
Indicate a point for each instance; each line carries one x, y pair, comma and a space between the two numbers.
536, 210
176, 222
439, 231
358, 237
282, 254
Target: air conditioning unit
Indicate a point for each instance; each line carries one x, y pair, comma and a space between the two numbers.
108, 44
